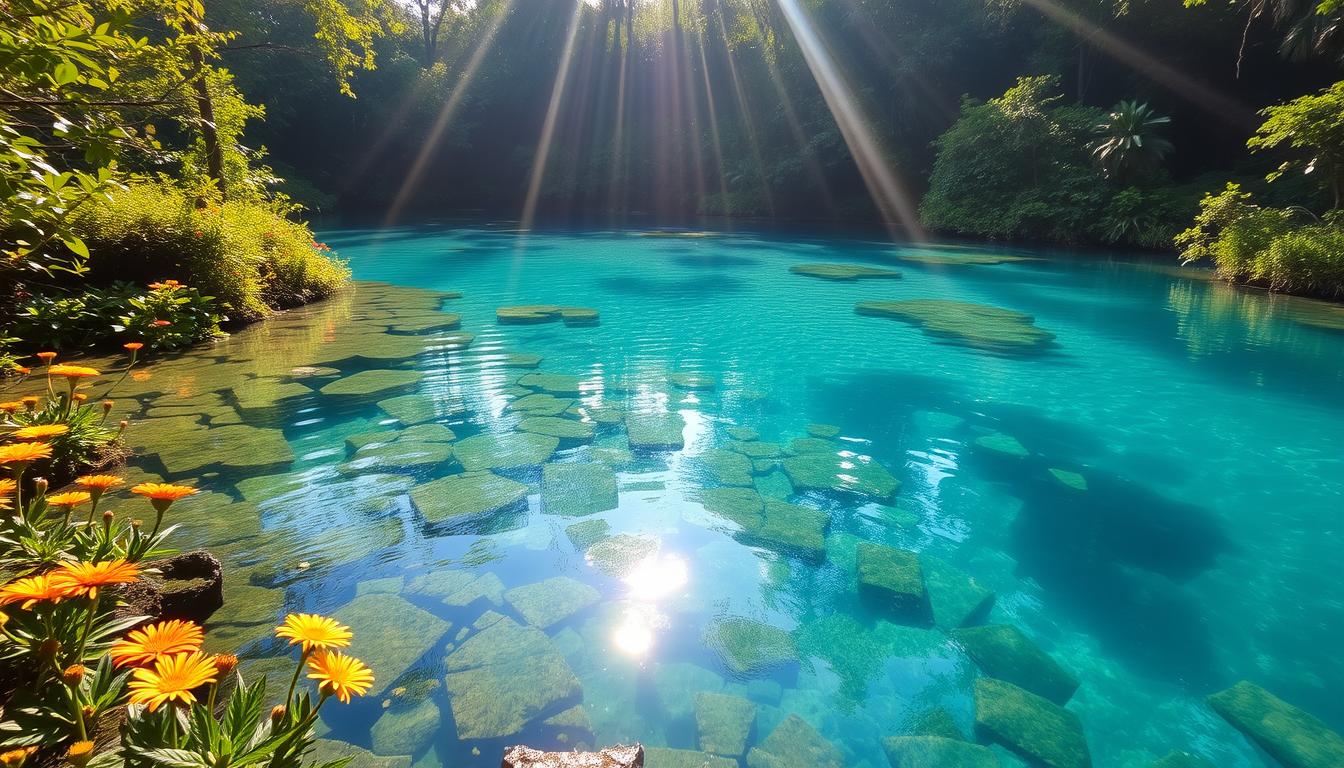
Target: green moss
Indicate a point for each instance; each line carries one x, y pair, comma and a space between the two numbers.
372, 385
795, 744
834, 473
756, 449
540, 404
547, 603
557, 384
522, 360
1002, 651
934, 721
992, 329
1069, 479
743, 506
468, 502
692, 381
955, 598
232, 447
936, 752
416, 409
656, 432
724, 723
812, 445
505, 451
749, 647
267, 398
565, 429
1292, 736
744, 434
1005, 445
825, 431
1029, 725
390, 635
407, 324
1178, 759
405, 730
427, 433
399, 456
616, 555
727, 467
791, 529
893, 578
846, 272
587, 533
575, 490
533, 314
664, 757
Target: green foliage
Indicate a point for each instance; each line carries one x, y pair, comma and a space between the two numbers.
1128, 145
1314, 127
164, 316
1280, 249
245, 254
87, 436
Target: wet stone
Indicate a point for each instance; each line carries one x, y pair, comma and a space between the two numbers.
410, 409
468, 502
397, 456
267, 398
405, 730
756, 449
692, 381
724, 723
547, 603
811, 445
564, 429
830, 472
427, 433
894, 579
505, 451
1069, 479
557, 384
824, 431
375, 348
936, 752
533, 314
357, 441
844, 272
540, 404
430, 323
486, 589
522, 360
665, 757
390, 635
744, 434
1002, 651
795, 744
677, 685
749, 647
1292, 736
727, 467
616, 555
656, 432
575, 490
1031, 726
330, 750
587, 533
439, 583
935, 721
955, 598
232, 447
1000, 443
372, 384
991, 329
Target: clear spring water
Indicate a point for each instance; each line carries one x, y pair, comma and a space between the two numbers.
1206, 421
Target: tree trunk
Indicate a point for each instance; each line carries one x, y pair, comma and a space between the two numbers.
205, 107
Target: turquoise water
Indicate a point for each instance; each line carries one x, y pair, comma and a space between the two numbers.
1205, 422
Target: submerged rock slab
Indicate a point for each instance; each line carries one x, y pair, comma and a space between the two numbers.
1003, 652
405, 730
616, 555
504, 677
533, 314
936, 752
410, 409
728, 467
540, 404
372, 384
564, 429
547, 603
845, 272
1179, 759
935, 721
745, 434
487, 588
1069, 479
756, 449
749, 647
992, 329
330, 750
397, 456
410, 325
266, 398
390, 635
723, 723
505, 451
427, 433
955, 598
656, 432
1031, 726
1006, 445
795, 744
575, 490
824, 431
893, 577
587, 533
558, 384
664, 757
235, 447
831, 472
693, 381
468, 501
961, 259
1292, 736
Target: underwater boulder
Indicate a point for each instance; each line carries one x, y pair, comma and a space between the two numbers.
894, 579
1032, 726
460, 503
390, 635
587, 533
934, 721
405, 730
665, 757
540, 404
843, 272
991, 329
831, 472
795, 744
748, 647
578, 489
1069, 479
1004, 445
533, 314
955, 598
505, 451
1003, 652
372, 385
568, 430
399, 456
936, 752
1292, 736
547, 603
727, 467
678, 683
723, 723
656, 432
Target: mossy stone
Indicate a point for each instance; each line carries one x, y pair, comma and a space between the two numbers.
532, 314
795, 744
893, 578
575, 718
748, 647
843, 272
1034, 727
770, 523
1003, 652
723, 723
812, 445
742, 506
577, 489
427, 433
934, 721
375, 348
485, 588
392, 585
666, 757
356, 441
397, 456
616, 555
232, 447
540, 404
587, 533
1292, 736
656, 432
745, 434
955, 598
992, 329
504, 677
327, 751
936, 752
564, 429
547, 603
373, 385
756, 449
266, 397
692, 381
830, 472
858, 653
1179, 759
439, 583
1006, 445
505, 451
727, 467
410, 410
522, 360
824, 431
558, 384
410, 325
405, 730
1069, 479
467, 501
961, 259
390, 635
677, 684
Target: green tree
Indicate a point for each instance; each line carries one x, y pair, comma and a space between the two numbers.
1312, 126
1128, 144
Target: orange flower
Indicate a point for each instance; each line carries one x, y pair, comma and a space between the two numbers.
46, 357
73, 372
80, 397
149, 644
98, 483
160, 323
7, 487
11, 407
85, 579
162, 495
132, 346
172, 678
23, 370
69, 499
22, 454
40, 431
30, 590
340, 675
30, 402
313, 631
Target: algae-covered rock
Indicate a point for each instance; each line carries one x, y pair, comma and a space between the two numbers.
504, 677
522, 360
1292, 736
934, 721
742, 506
824, 431
486, 588
831, 472
855, 652
360, 439
992, 329
1069, 479
844, 272
936, 752
692, 381
1179, 759
427, 433
955, 598
410, 409
791, 528
756, 449
390, 635
656, 432
460, 503
391, 585
564, 429
505, 451
1034, 727
557, 384
330, 750
575, 490
749, 647
405, 730
1006, 445
723, 723
533, 314
678, 683
439, 583
961, 259
893, 578
265, 398
232, 447
812, 445
540, 404
665, 757
410, 325
727, 467
616, 555
1003, 652
399, 456
795, 744
745, 434
372, 384
587, 533
546, 603
365, 348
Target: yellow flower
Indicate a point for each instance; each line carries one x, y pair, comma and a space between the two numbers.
73, 372
172, 678
99, 483
40, 431
85, 579
30, 590
162, 495
313, 631
12, 406
151, 643
70, 499
339, 675
22, 454
80, 753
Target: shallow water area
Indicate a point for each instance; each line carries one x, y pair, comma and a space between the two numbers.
706, 502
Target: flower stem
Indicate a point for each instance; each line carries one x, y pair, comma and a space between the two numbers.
294, 681
88, 629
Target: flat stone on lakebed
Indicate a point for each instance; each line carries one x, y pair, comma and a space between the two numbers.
235, 446
936, 752
564, 429
390, 635
1032, 726
401, 455
1003, 652
467, 500
540, 404
547, 603
505, 451
372, 384
749, 647
665, 757
955, 598
415, 409
532, 314
724, 723
578, 489
831, 472
795, 744
894, 577
558, 384
656, 432
1292, 736
992, 329
846, 272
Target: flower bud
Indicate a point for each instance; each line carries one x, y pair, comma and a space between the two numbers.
40, 485
80, 753
73, 675
80, 397
278, 713
88, 711
136, 523
225, 663
107, 406
49, 648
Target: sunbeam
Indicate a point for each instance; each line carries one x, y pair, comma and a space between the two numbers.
543, 152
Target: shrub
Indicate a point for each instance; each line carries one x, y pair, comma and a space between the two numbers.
166, 315
245, 254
